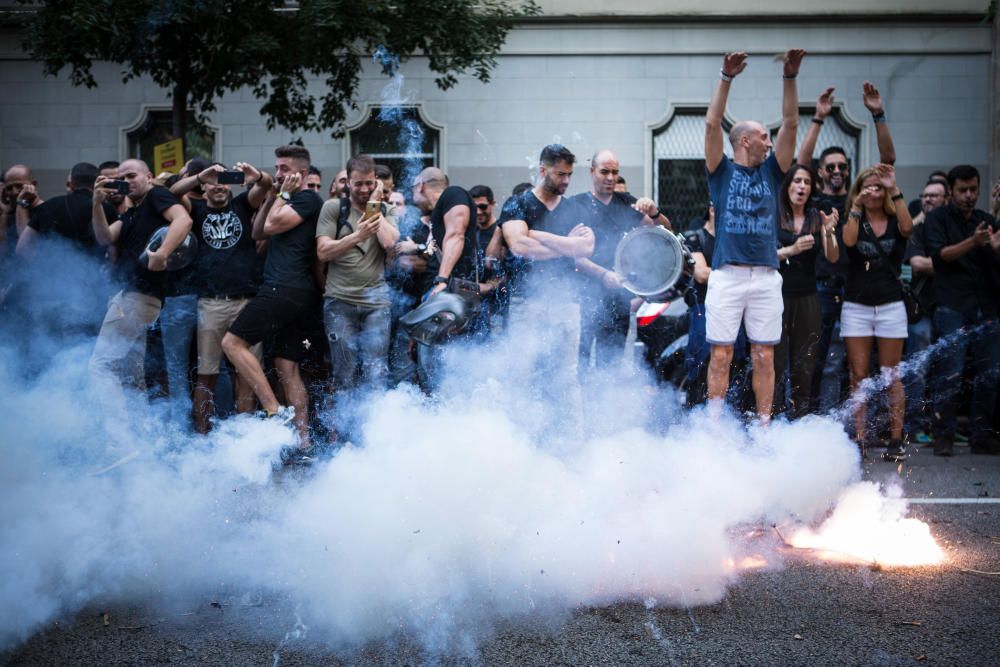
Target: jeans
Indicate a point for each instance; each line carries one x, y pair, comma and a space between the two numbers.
919, 337
604, 325
829, 374
696, 355
357, 335
980, 336
178, 323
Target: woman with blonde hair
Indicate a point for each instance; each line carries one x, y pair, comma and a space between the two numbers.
875, 236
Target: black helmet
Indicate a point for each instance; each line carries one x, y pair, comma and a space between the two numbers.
182, 255
441, 316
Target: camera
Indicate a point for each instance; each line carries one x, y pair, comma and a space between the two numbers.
232, 178
117, 187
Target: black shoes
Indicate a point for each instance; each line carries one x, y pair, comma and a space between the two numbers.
943, 446
895, 451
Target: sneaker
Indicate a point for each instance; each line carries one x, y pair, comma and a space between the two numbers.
922, 438
283, 415
895, 451
296, 456
944, 447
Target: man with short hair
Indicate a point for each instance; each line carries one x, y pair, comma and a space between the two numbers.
109, 169
964, 244
287, 220
18, 200
606, 304
384, 175
314, 179
122, 339
354, 245
920, 334
744, 285
621, 185
491, 253
541, 230
339, 186
67, 216
223, 272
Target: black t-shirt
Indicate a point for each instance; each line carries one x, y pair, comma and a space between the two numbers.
922, 286
526, 276
798, 272
69, 217
871, 279
483, 238
138, 224
700, 240
453, 196
226, 249
828, 203
290, 254
610, 222
973, 280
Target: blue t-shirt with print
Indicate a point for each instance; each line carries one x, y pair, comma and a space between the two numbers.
746, 212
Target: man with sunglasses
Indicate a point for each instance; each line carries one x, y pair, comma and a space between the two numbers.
835, 176
314, 180
491, 256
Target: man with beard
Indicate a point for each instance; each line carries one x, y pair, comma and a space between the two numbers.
491, 257
835, 172
280, 308
338, 186
109, 169
541, 229
744, 285
964, 243
18, 200
122, 339
223, 272
314, 180
606, 303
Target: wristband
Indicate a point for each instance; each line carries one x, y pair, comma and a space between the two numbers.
898, 196
725, 77
657, 215
854, 214
24, 203
789, 77
440, 280
818, 121
879, 117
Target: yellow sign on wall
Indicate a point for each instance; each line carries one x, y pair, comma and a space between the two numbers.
168, 157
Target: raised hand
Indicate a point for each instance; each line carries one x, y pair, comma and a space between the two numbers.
734, 63
211, 174
830, 220
252, 173
824, 104
886, 176
793, 60
872, 99
292, 183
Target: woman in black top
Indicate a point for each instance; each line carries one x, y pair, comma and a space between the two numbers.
803, 231
875, 240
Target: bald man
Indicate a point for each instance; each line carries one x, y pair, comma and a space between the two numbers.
18, 201
605, 303
745, 286
121, 344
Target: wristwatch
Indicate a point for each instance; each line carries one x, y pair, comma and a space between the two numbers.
24, 203
421, 247
440, 280
284, 195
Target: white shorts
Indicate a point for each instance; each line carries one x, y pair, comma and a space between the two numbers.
885, 321
749, 294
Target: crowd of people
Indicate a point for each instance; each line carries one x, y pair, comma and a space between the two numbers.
297, 300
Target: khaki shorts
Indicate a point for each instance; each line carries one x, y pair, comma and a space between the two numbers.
214, 318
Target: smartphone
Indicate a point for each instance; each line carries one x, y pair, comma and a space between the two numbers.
119, 187
373, 209
232, 178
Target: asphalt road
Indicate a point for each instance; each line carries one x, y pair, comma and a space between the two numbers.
801, 612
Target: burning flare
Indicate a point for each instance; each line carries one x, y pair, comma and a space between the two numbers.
870, 526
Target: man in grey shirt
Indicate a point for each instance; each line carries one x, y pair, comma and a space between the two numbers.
354, 246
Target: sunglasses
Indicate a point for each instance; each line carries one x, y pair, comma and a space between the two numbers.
831, 167
313, 186
483, 207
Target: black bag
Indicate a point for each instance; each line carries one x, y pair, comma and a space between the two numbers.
914, 313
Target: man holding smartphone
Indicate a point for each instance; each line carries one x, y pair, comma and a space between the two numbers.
354, 237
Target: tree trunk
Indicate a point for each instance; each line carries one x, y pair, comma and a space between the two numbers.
179, 114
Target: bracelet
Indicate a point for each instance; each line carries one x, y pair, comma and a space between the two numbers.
898, 196
789, 77
818, 121
725, 77
879, 117
197, 177
854, 214
24, 203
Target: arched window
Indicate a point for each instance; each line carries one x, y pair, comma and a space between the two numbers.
837, 130
680, 184
401, 138
155, 126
